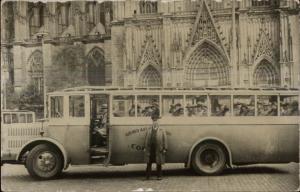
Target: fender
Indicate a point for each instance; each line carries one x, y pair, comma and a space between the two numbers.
47, 140
209, 139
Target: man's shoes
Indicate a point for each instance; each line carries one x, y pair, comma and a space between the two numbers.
146, 179
159, 178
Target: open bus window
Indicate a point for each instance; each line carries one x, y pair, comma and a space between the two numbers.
244, 105
22, 118
56, 107
196, 105
220, 105
7, 118
14, 118
29, 118
76, 106
267, 105
289, 105
172, 105
146, 103
123, 106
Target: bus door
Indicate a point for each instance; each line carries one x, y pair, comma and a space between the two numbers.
99, 120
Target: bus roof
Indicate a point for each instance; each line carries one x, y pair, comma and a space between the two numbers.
112, 89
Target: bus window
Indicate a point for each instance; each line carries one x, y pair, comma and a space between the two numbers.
196, 105
123, 106
172, 105
29, 118
7, 118
56, 107
267, 105
145, 103
14, 118
289, 106
22, 118
243, 105
76, 106
220, 105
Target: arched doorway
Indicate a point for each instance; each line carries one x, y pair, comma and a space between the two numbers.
96, 67
206, 66
265, 75
150, 77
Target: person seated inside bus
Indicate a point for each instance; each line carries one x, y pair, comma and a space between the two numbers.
244, 110
147, 111
294, 109
222, 110
131, 111
272, 111
289, 109
176, 110
99, 127
190, 110
267, 109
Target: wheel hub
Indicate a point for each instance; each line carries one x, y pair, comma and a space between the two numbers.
46, 161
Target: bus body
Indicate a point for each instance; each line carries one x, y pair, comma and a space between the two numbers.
206, 129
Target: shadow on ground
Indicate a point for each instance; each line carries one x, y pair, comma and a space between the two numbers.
170, 172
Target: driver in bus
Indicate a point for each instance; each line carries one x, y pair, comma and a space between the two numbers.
100, 127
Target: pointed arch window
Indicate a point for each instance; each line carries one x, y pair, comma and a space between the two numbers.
150, 77
147, 6
96, 67
64, 15
36, 17
265, 75
36, 72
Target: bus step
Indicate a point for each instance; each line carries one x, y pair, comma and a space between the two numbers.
99, 151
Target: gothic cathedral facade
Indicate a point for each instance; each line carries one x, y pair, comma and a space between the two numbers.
174, 43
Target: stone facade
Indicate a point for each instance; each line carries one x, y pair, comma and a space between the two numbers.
206, 43
247, 43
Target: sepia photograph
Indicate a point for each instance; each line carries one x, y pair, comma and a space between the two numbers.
150, 95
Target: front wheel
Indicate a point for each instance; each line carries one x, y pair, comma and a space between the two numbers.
209, 159
44, 162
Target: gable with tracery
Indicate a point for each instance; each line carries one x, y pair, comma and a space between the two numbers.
264, 46
205, 28
150, 54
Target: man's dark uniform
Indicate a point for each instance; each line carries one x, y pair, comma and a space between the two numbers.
155, 145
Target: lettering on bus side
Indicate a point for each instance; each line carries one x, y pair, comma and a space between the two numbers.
137, 147
135, 131
142, 129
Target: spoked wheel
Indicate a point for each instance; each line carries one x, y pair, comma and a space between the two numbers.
209, 159
44, 162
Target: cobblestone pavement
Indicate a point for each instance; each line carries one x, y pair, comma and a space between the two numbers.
279, 177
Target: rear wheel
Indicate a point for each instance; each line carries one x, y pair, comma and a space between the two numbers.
209, 159
44, 162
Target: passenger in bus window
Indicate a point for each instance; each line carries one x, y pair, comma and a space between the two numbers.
272, 111
284, 109
294, 109
178, 110
223, 110
190, 110
131, 111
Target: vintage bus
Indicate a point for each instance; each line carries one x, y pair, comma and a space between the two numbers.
208, 129
17, 128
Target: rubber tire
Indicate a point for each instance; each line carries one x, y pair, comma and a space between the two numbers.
196, 164
38, 174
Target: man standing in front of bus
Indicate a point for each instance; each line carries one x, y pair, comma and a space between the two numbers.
155, 144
